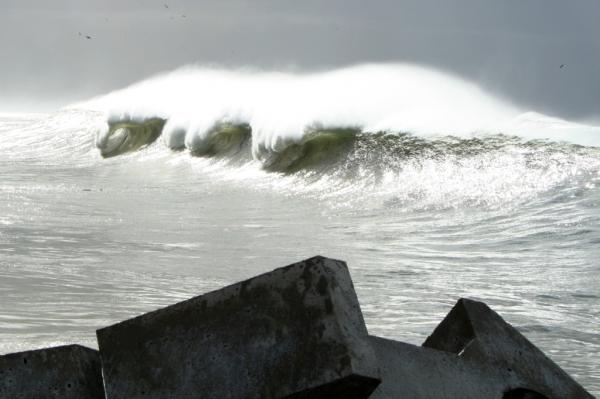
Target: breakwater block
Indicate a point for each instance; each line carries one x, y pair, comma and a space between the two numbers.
296, 332
65, 372
473, 353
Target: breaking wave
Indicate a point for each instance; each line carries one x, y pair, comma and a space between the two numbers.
126, 136
210, 111
393, 134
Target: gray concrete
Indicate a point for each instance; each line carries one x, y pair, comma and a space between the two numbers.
472, 354
414, 372
296, 332
65, 372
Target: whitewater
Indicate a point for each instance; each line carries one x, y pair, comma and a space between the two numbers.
428, 186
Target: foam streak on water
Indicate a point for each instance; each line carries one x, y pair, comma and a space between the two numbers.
430, 189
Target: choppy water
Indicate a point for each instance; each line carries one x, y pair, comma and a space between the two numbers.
86, 241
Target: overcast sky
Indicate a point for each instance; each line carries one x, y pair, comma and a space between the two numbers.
513, 48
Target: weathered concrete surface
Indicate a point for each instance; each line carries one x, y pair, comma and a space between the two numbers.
296, 332
498, 343
472, 354
414, 372
65, 372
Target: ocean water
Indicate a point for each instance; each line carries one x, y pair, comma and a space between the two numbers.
430, 189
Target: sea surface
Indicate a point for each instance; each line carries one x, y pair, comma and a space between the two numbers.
194, 180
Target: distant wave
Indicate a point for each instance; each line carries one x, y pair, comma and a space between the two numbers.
343, 165
392, 134
208, 110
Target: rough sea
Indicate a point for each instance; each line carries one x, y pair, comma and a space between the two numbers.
429, 187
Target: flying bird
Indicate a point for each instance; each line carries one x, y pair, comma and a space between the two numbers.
166, 6
88, 37
562, 66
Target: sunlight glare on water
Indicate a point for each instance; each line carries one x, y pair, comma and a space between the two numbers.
421, 221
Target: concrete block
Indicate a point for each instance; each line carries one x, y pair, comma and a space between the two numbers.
296, 332
472, 354
486, 337
413, 372
63, 372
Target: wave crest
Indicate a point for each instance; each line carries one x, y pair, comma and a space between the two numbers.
288, 121
122, 136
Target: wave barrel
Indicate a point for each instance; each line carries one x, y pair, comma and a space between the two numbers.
128, 136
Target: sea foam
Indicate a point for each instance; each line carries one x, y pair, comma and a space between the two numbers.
281, 108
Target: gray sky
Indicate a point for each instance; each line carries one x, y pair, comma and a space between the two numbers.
513, 48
